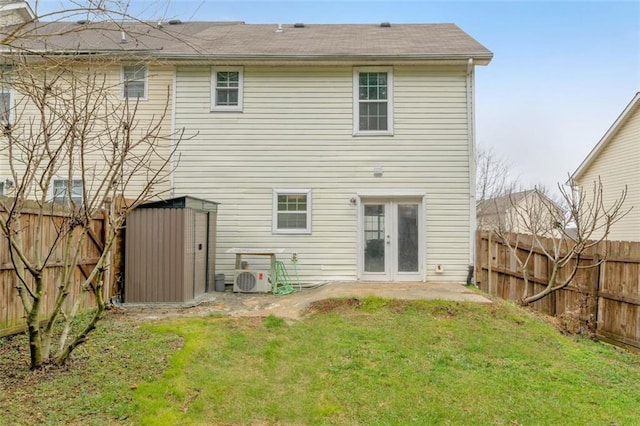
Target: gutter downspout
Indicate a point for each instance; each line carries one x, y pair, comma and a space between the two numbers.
172, 165
471, 133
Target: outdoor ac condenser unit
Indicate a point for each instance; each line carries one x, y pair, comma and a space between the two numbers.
246, 281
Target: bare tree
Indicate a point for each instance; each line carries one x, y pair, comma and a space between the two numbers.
563, 236
74, 144
493, 176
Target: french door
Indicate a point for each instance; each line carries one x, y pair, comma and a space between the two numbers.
391, 240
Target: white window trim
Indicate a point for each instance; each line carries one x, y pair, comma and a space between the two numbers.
214, 82
274, 219
10, 91
146, 83
356, 102
50, 195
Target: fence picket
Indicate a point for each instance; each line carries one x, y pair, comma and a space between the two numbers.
11, 310
607, 295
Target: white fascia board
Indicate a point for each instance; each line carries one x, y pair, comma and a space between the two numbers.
620, 121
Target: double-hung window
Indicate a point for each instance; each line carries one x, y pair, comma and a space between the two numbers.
373, 101
5, 105
292, 211
6, 96
65, 191
134, 81
226, 88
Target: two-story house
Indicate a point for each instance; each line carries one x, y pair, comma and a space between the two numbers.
348, 147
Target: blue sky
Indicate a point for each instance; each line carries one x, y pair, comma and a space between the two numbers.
562, 71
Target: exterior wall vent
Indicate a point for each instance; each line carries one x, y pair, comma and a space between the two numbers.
385, 24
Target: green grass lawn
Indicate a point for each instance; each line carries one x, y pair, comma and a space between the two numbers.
351, 362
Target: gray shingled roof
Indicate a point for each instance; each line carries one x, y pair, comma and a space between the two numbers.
240, 40
499, 205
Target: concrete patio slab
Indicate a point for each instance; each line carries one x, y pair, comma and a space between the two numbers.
293, 306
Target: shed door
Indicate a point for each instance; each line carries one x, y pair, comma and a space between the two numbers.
200, 260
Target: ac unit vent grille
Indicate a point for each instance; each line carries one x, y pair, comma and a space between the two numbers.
246, 281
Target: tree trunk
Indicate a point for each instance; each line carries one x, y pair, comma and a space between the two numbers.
62, 357
33, 328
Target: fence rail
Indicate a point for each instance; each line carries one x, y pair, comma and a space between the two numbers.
605, 293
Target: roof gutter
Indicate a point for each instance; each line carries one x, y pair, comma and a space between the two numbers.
477, 59
159, 53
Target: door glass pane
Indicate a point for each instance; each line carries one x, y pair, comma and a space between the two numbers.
374, 233
408, 241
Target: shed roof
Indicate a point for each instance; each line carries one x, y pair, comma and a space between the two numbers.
228, 40
184, 202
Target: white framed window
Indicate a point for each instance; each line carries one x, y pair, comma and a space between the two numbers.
60, 189
6, 103
226, 88
292, 211
134, 81
373, 101
6, 96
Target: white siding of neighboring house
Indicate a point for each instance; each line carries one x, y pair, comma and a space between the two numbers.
617, 165
296, 132
160, 83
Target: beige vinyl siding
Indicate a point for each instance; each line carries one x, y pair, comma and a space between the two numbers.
617, 165
296, 132
150, 110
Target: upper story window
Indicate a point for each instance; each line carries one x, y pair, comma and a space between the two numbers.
226, 88
292, 211
61, 189
134, 81
373, 101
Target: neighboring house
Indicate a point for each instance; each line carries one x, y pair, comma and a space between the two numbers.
615, 160
524, 212
349, 146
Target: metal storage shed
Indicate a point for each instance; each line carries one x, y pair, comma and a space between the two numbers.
170, 251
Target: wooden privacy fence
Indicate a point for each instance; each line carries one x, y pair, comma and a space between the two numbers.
12, 314
606, 297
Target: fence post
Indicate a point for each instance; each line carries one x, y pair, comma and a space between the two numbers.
489, 263
594, 290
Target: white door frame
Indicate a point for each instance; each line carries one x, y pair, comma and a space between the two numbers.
391, 198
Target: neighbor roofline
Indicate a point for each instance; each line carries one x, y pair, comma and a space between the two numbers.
541, 194
24, 5
620, 121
